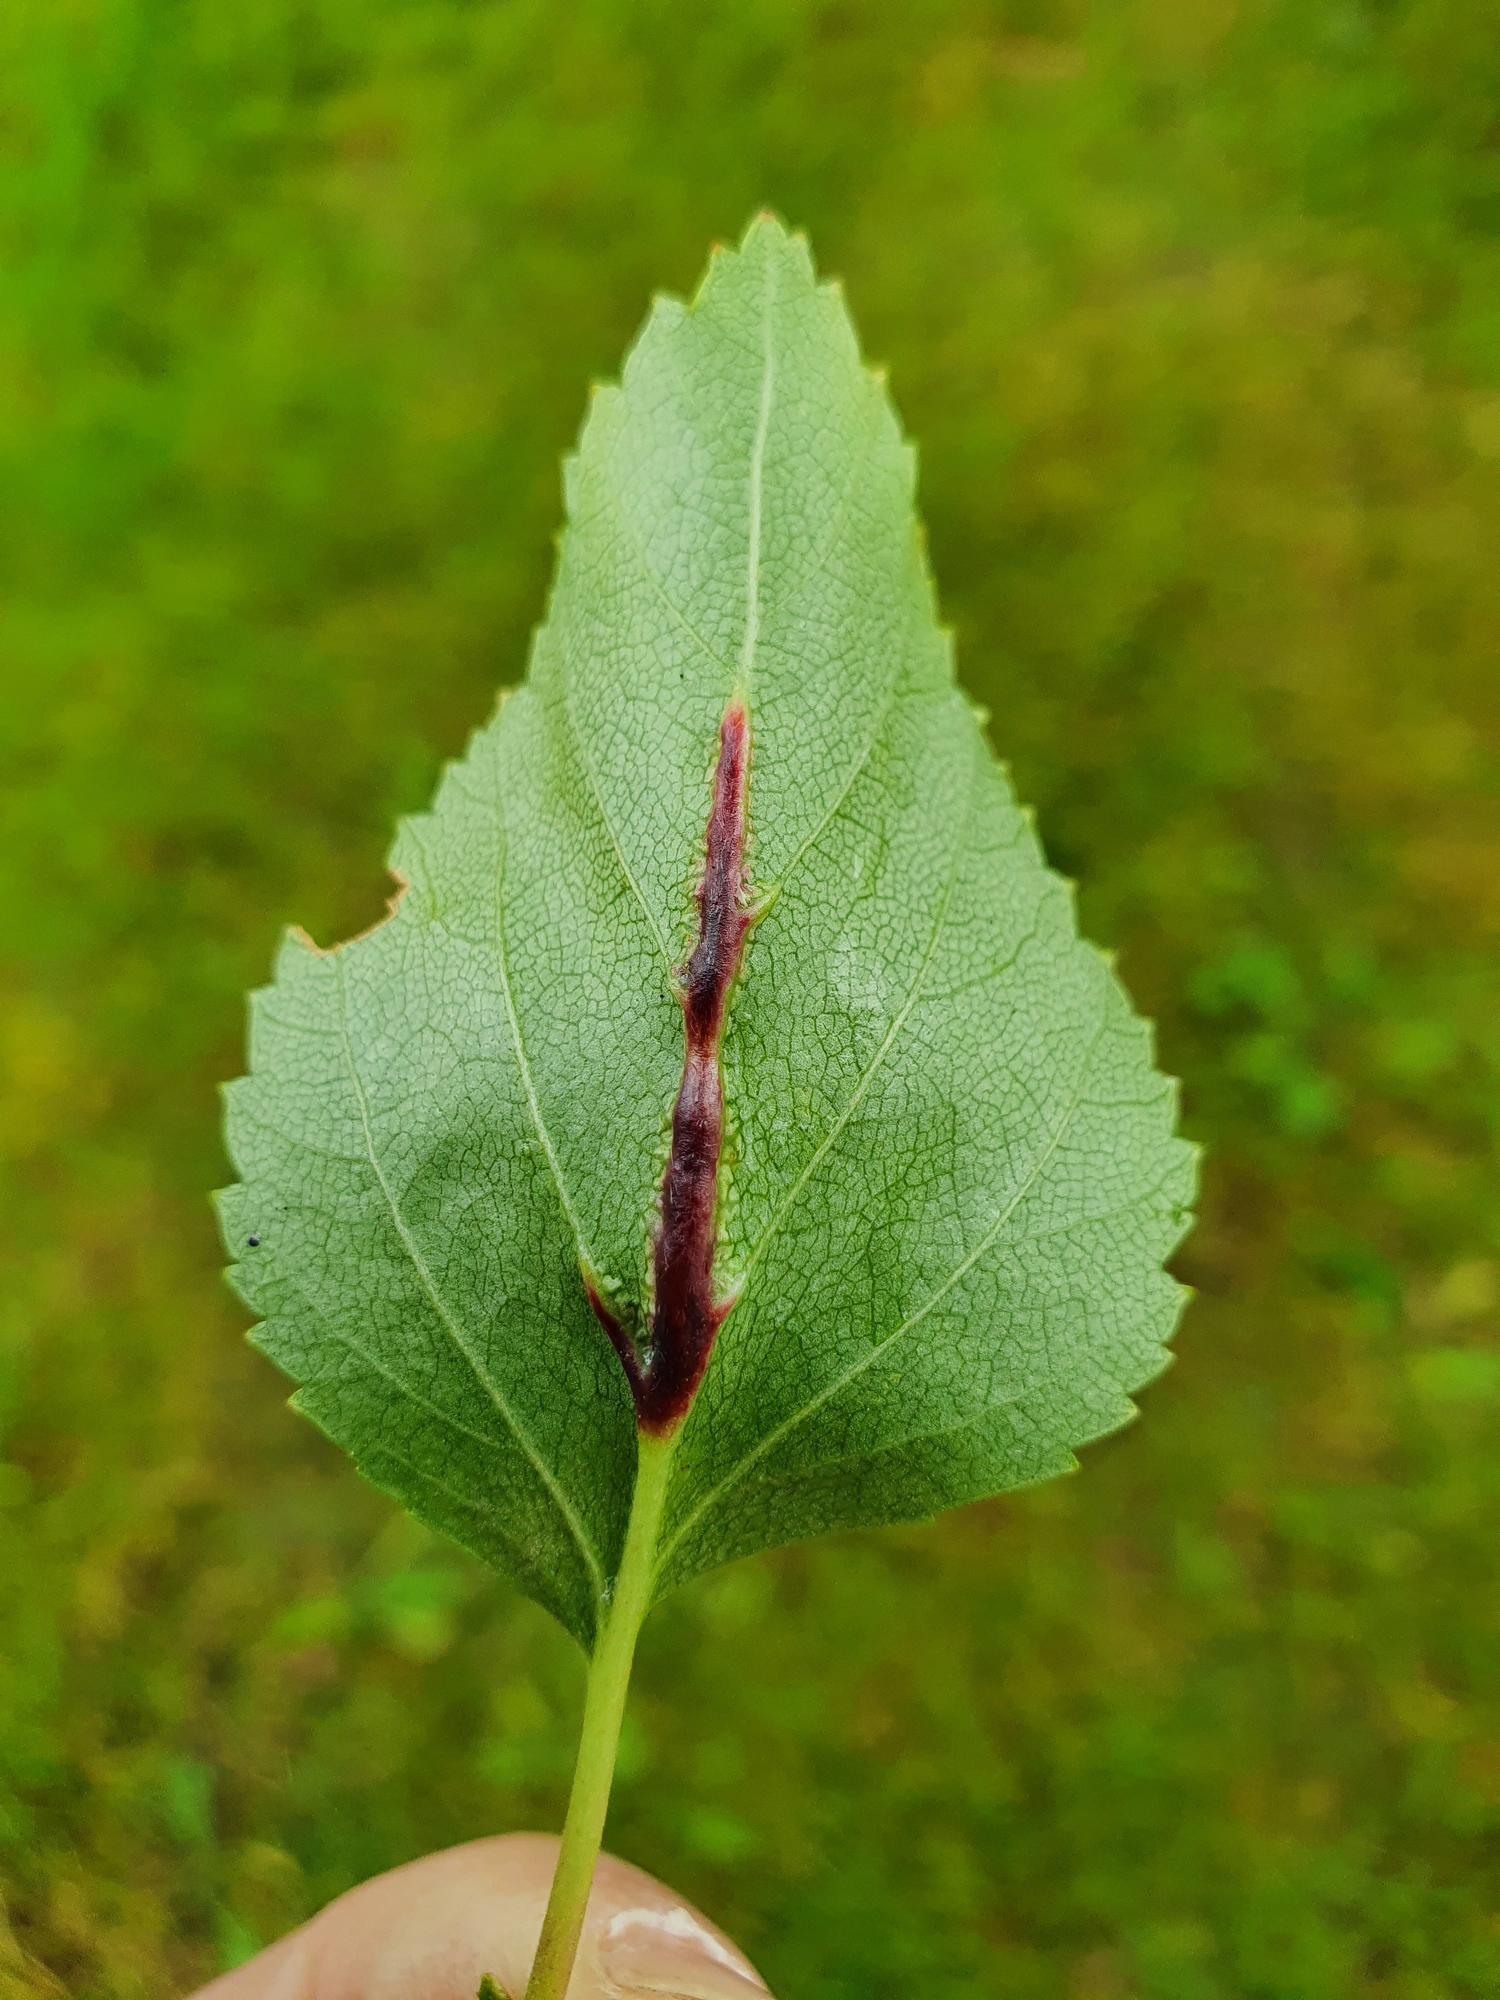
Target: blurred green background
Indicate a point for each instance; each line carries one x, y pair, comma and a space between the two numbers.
1194, 309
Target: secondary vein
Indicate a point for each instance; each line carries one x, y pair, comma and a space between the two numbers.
445, 1319
857, 1095
867, 1360
518, 1044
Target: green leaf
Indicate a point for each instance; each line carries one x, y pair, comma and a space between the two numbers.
949, 1175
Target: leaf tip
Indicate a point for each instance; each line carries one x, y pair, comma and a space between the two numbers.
766, 225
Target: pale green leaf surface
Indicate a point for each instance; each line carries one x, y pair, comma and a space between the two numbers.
950, 1174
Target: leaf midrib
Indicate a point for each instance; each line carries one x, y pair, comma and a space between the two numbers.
749, 640
878, 726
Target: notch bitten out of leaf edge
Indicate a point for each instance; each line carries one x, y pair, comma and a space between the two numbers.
508, 1160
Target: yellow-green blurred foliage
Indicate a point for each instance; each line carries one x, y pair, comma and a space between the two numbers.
1194, 306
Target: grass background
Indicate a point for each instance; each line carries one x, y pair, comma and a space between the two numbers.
1194, 308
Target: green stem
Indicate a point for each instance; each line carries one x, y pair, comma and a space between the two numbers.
603, 1708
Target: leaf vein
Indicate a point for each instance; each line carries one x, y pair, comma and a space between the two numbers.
342, 1339
960, 843
518, 1044
445, 1318
757, 476
882, 1347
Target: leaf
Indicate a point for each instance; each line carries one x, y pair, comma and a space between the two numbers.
948, 1172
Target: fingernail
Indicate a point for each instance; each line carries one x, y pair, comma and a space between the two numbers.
670, 1952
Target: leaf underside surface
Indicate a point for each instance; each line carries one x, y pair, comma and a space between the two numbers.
948, 1175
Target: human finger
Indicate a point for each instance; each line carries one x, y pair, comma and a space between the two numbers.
433, 1929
